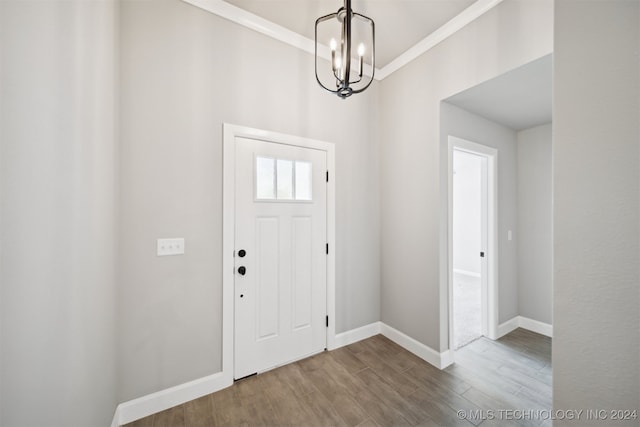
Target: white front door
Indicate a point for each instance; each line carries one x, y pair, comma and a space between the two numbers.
280, 254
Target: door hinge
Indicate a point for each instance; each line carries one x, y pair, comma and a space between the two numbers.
327, 176
481, 254
327, 321
327, 248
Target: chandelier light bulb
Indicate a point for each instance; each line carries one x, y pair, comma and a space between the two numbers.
360, 59
334, 66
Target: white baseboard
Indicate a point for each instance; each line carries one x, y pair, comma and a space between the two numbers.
466, 273
508, 326
446, 359
525, 323
536, 326
116, 418
439, 360
355, 335
156, 402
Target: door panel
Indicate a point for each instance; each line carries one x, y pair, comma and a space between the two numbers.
266, 278
302, 268
281, 223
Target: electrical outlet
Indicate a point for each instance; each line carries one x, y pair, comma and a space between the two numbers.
171, 246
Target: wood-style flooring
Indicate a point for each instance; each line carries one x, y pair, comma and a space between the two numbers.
375, 382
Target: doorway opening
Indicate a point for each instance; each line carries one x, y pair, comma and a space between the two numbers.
472, 242
469, 171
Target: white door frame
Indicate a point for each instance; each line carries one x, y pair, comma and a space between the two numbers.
490, 328
230, 132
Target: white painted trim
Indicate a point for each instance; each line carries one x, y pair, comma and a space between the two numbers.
525, 323
256, 23
466, 273
506, 327
153, 403
437, 359
331, 238
459, 21
536, 326
230, 132
264, 26
228, 246
156, 402
116, 417
278, 32
446, 358
355, 335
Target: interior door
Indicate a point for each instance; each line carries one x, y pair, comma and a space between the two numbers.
280, 254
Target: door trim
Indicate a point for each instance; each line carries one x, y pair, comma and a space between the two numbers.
230, 132
490, 328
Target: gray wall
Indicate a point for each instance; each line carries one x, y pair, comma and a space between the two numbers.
535, 237
414, 208
596, 205
58, 205
183, 73
463, 124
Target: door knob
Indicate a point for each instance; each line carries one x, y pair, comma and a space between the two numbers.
242, 270
242, 253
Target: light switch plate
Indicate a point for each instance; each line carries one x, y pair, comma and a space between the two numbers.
171, 246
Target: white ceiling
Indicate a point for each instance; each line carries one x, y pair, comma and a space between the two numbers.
400, 24
519, 99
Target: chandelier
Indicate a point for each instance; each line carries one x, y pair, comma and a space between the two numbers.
349, 28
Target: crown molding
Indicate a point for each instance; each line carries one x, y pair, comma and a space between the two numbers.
278, 32
459, 21
256, 23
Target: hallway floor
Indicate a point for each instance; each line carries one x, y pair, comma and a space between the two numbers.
467, 309
375, 382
